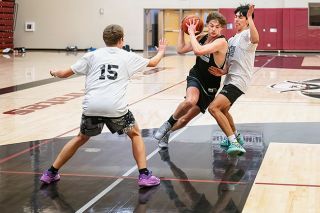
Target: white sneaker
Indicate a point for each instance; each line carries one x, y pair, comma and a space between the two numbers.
162, 131
163, 143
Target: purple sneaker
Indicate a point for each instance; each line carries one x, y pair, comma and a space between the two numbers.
148, 180
47, 177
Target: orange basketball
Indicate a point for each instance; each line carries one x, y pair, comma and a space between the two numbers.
185, 21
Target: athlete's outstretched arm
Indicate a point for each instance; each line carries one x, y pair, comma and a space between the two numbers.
254, 35
161, 50
62, 73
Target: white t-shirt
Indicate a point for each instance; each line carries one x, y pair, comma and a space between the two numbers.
240, 61
107, 73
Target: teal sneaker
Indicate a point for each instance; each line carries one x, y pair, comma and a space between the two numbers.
235, 149
240, 139
225, 142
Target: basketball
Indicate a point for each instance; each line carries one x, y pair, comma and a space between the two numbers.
185, 21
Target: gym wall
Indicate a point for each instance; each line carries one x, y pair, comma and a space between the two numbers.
80, 22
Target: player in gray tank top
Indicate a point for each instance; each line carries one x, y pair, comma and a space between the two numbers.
239, 72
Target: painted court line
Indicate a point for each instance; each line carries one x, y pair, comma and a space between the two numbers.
265, 64
128, 177
114, 184
163, 178
287, 184
22, 152
31, 148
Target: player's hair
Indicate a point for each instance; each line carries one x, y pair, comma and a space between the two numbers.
243, 10
112, 34
217, 16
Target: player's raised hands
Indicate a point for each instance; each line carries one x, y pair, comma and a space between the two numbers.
162, 45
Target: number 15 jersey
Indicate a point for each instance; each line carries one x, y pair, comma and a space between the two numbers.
107, 72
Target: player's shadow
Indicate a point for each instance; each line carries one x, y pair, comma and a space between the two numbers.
51, 192
199, 202
227, 188
145, 195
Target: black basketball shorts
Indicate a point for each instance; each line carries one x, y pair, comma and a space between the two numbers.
93, 125
231, 92
205, 97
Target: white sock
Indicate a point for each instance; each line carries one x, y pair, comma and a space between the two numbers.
232, 138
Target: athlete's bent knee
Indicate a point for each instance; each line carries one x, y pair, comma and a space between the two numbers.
187, 104
134, 132
213, 110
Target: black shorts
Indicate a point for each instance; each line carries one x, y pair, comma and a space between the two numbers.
93, 125
206, 97
231, 92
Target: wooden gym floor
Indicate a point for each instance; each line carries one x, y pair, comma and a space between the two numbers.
279, 172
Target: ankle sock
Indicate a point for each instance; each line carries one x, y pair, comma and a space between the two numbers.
232, 138
144, 171
236, 133
172, 120
53, 170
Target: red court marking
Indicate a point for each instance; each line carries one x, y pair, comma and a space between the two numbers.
287, 184
31, 148
163, 178
47, 141
127, 177
21, 152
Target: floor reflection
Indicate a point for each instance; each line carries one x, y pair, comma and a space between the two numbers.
58, 201
198, 201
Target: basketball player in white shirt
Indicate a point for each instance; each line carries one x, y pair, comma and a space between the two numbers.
239, 72
107, 72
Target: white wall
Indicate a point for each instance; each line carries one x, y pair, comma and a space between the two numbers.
298, 3
60, 23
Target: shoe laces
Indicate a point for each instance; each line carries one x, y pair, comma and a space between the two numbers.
165, 138
165, 127
225, 140
237, 144
50, 174
144, 176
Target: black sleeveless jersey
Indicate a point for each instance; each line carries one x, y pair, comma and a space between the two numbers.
200, 69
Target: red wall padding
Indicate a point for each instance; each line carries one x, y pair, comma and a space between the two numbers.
298, 36
290, 24
6, 23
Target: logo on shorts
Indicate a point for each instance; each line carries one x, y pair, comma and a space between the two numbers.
211, 90
224, 91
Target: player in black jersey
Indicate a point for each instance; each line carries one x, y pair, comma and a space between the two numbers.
211, 50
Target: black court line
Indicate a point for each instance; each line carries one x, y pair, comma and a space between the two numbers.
32, 84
